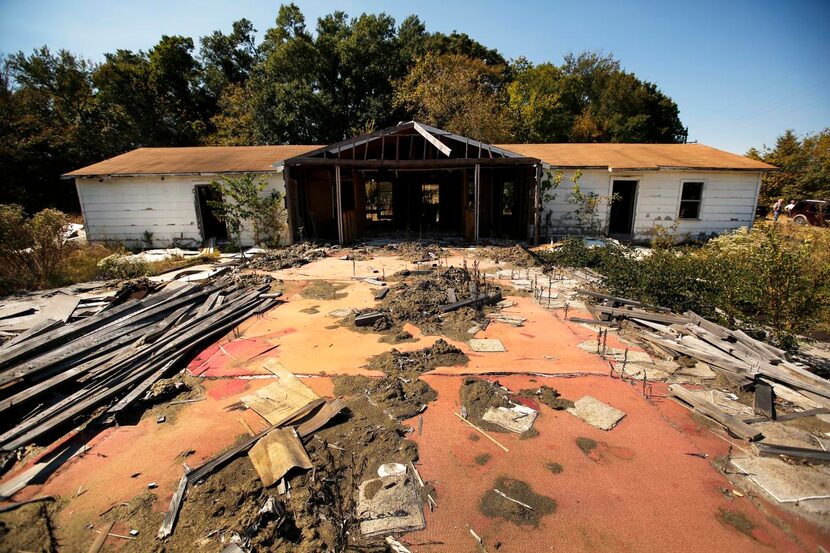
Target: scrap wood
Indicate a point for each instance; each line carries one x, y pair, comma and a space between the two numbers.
516, 501
619, 300
367, 319
486, 435
328, 411
276, 453
280, 399
667, 318
796, 452
482, 299
101, 538
734, 425
396, 546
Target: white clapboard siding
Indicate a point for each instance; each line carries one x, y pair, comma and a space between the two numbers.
122, 209
729, 199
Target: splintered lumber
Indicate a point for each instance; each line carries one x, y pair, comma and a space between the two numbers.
734, 425
111, 359
593, 321
173, 510
482, 299
486, 435
640, 314
763, 404
380, 294
796, 452
368, 318
624, 301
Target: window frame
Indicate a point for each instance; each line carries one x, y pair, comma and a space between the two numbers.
700, 204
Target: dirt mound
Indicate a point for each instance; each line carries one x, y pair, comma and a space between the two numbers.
295, 255
494, 504
417, 299
322, 290
401, 394
549, 396
477, 396
514, 255
416, 251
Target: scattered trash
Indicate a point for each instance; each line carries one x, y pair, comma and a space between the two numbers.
391, 469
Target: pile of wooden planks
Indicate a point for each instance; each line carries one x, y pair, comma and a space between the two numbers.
104, 362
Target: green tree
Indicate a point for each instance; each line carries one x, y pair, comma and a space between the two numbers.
459, 94
243, 203
589, 98
228, 59
804, 167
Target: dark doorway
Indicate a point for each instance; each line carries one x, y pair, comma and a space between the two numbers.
624, 193
212, 227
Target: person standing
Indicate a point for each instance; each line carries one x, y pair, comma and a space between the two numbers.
776, 209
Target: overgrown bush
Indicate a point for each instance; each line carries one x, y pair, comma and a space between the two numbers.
768, 276
123, 266
31, 249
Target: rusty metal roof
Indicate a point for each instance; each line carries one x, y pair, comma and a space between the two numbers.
242, 159
193, 160
649, 157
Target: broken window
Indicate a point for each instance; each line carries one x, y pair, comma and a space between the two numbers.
690, 200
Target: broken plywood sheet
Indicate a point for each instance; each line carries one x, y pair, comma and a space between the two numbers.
786, 483
596, 413
342, 312
486, 345
276, 453
517, 418
279, 400
389, 505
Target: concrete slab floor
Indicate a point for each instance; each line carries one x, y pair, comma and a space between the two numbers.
636, 489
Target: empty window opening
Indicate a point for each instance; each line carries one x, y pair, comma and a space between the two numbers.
690, 200
430, 202
378, 201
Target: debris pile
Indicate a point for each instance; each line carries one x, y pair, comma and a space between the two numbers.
401, 394
515, 255
446, 301
416, 251
295, 255
748, 364
103, 363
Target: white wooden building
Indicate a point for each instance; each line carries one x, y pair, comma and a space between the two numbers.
416, 179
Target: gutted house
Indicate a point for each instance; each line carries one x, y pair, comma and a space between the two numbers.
414, 180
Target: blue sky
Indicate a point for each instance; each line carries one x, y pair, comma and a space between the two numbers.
742, 72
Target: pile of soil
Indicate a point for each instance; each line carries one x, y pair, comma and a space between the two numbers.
322, 290
549, 396
514, 255
401, 394
418, 298
29, 528
495, 505
478, 395
295, 255
415, 251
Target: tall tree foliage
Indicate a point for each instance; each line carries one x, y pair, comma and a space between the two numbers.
589, 98
804, 165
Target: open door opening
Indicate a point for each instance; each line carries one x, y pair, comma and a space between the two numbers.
621, 220
212, 227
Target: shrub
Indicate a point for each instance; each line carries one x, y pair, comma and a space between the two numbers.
123, 266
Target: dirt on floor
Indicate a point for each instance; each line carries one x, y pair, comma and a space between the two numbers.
416, 251
295, 255
417, 299
322, 290
527, 507
318, 513
478, 395
29, 528
549, 396
513, 255
401, 393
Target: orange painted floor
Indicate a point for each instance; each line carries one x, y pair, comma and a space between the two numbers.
640, 491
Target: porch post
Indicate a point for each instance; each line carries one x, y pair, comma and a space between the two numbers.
537, 205
477, 194
339, 204
290, 200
